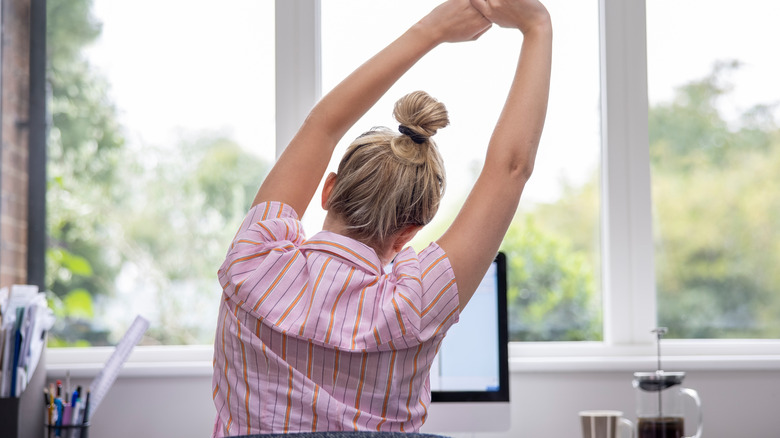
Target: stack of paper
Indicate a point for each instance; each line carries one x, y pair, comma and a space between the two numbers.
24, 319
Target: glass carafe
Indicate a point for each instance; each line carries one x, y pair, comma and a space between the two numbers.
660, 405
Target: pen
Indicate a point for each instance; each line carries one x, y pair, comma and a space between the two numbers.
86, 409
58, 422
74, 420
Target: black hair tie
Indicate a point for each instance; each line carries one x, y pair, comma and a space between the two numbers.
417, 138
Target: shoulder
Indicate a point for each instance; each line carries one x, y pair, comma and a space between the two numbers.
270, 222
432, 262
427, 290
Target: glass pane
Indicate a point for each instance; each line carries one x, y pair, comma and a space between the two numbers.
553, 245
715, 156
162, 128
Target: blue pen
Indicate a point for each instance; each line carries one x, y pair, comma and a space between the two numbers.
58, 404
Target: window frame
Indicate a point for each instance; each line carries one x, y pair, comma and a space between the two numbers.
628, 271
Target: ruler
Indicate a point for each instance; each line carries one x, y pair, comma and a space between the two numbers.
108, 374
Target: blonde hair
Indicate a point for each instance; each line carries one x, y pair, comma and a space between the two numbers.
387, 180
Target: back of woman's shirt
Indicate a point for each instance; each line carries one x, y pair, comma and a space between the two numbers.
314, 335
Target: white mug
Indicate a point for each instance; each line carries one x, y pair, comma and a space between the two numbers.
605, 424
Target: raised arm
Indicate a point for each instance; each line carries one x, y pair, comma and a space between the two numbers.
296, 175
474, 237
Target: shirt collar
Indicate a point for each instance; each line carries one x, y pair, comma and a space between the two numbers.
347, 248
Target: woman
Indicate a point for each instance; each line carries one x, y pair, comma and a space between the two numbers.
316, 334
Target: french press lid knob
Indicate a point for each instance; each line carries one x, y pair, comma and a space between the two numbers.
657, 380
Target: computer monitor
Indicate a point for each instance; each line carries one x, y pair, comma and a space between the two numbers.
470, 374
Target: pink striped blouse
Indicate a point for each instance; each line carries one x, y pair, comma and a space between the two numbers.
315, 335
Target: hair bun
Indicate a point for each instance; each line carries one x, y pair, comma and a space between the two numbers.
420, 116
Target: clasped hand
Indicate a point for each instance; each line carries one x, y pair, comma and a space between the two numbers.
467, 20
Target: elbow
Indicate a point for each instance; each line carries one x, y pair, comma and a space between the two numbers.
512, 169
520, 170
515, 158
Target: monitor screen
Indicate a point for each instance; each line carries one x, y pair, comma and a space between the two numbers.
471, 369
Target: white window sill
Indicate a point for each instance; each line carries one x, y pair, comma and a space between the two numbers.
196, 361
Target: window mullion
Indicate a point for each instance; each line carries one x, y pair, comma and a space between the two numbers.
628, 270
298, 65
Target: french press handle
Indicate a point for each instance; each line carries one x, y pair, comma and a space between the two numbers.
695, 396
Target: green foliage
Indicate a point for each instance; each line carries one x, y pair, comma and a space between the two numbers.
158, 216
185, 210
718, 214
78, 303
84, 148
552, 289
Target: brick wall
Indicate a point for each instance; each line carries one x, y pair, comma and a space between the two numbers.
14, 116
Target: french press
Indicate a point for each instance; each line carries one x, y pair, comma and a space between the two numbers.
660, 401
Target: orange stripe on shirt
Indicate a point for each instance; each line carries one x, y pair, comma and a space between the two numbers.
292, 305
243, 360
436, 262
314, 408
265, 213
276, 281
227, 365
313, 292
289, 399
336, 303
238, 287
245, 258
444, 322
360, 389
398, 316
425, 410
360, 310
405, 261
389, 386
441, 293
412, 277
267, 230
253, 256
411, 304
344, 248
359, 315
335, 365
411, 383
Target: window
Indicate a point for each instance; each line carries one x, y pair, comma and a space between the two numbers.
714, 147
162, 129
553, 245
600, 178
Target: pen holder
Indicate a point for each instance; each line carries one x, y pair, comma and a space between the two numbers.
72, 431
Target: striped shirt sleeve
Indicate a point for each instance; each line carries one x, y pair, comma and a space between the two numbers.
426, 293
270, 228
